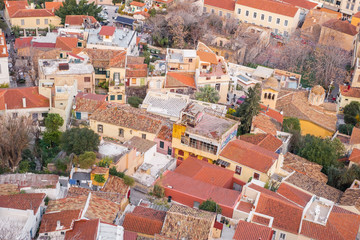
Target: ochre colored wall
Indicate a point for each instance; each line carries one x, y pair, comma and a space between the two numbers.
313, 129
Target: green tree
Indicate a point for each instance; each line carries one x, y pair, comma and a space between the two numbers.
152, 12
159, 191
114, 172
70, 7
249, 109
79, 140
210, 206
99, 178
134, 101
129, 180
352, 113
24, 166
291, 124
52, 135
346, 129
207, 94
105, 162
85, 160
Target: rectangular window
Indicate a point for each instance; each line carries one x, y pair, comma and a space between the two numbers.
133, 81
247, 13
228, 15
286, 22
278, 21
161, 144
79, 44
190, 60
238, 170
270, 19
273, 236
282, 236
254, 15
112, 97
196, 204
121, 132
22, 22
347, 5
212, 11
100, 128
217, 87
256, 176
86, 79
286, 34
119, 97
352, 7
14, 115
262, 16
37, 21
239, 11
46, 21
143, 136
220, 13
204, 9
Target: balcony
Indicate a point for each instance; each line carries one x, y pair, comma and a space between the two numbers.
200, 145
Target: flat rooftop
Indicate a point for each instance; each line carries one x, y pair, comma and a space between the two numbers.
121, 38
51, 66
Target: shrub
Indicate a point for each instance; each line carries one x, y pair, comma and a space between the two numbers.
134, 101
99, 178
129, 180
158, 191
105, 162
86, 160
114, 172
210, 206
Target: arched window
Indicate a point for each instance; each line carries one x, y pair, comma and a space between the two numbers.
269, 96
265, 95
273, 97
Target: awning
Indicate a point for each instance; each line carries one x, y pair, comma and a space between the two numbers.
222, 163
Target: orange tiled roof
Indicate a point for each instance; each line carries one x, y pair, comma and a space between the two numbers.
78, 20
355, 156
100, 170
207, 56
66, 218
107, 31
66, 43
137, 4
225, 4
103, 209
271, 6
341, 26
144, 220
330, 11
355, 136
249, 155
25, 201
105, 58
266, 141
88, 102
251, 231
266, 124
136, 70
245, 206
23, 42
12, 98
116, 185
109, 195
272, 113
83, 229
13, 6
294, 194
348, 91
53, 5
177, 79
165, 133
23, 13
302, 4
68, 203
9, 189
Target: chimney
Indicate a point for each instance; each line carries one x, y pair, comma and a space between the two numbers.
24, 102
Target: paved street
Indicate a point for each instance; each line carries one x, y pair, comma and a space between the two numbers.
111, 13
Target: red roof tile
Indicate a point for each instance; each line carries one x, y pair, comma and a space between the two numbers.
207, 56
13, 6
23, 42
177, 79
12, 98
252, 231
88, 102
137, 4
355, 136
23, 13
53, 5
245, 206
22, 201
266, 124
274, 114
66, 218
130, 235
271, 6
107, 31
84, 229
348, 91
66, 43
294, 194
302, 4
341, 26
355, 156
100, 170
266, 141
249, 155
224, 4
136, 70
78, 20
144, 220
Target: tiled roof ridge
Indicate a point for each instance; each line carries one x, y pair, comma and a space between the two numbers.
283, 199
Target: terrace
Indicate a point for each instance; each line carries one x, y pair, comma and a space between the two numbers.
319, 210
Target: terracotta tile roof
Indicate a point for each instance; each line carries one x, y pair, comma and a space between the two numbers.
115, 185
12, 98
330, 11
249, 155
318, 17
115, 197
245, 206
23, 201
341, 26
165, 132
225, 4
355, 156
66, 218
351, 197
189, 223
295, 104
84, 229
177, 79
23, 42
130, 235
350, 91
296, 163
144, 220
274, 114
252, 231
88, 102
341, 225
106, 58
314, 186
302, 4
107, 31
271, 6
68, 203
13, 6
266, 141
140, 144
136, 70
137, 4
23, 13
205, 172
287, 215
103, 209
100, 170
30, 180
66, 43
207, 56
144, 14
129, 117
135, 60
192, 187
266, 124
294, 194
78, 20
53, 5
261, 220
355, 136
9, 189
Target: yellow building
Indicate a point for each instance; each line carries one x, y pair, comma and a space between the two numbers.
181, 59
347, 95
355, 19
201, 134
19, 13
99, 171
224, 8
270, 91
281, 17
316, 117
249, 161
122, 122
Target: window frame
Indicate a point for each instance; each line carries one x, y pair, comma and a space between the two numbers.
100, 128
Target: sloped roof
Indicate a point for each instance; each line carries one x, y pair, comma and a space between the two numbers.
207, 56
83, 229
53, 5
66, 43
274, 114
103, 209
23, 42
105, 58
350, 91
23, 13
12, 98
266, 124
294, 194
140, 144
266, 141
177, 79
252, 231
351, 197
107, 31
225, 4
341, 26
136, 70
355, 136
302, 4
88, 102
30, 180
13, 6
66, 218
355, 156
22, 201
137, 4
9, 189
78, 20
115, 185
249, 155
271, 6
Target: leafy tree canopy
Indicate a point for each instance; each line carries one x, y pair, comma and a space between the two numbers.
207, 94
291, 124
105, 162
134, 101
79, 140
346, 129
70, 7
85, 160
352, 113
210, 206
99, 178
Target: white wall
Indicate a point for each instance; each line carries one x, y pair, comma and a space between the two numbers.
4, 70
150, 154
